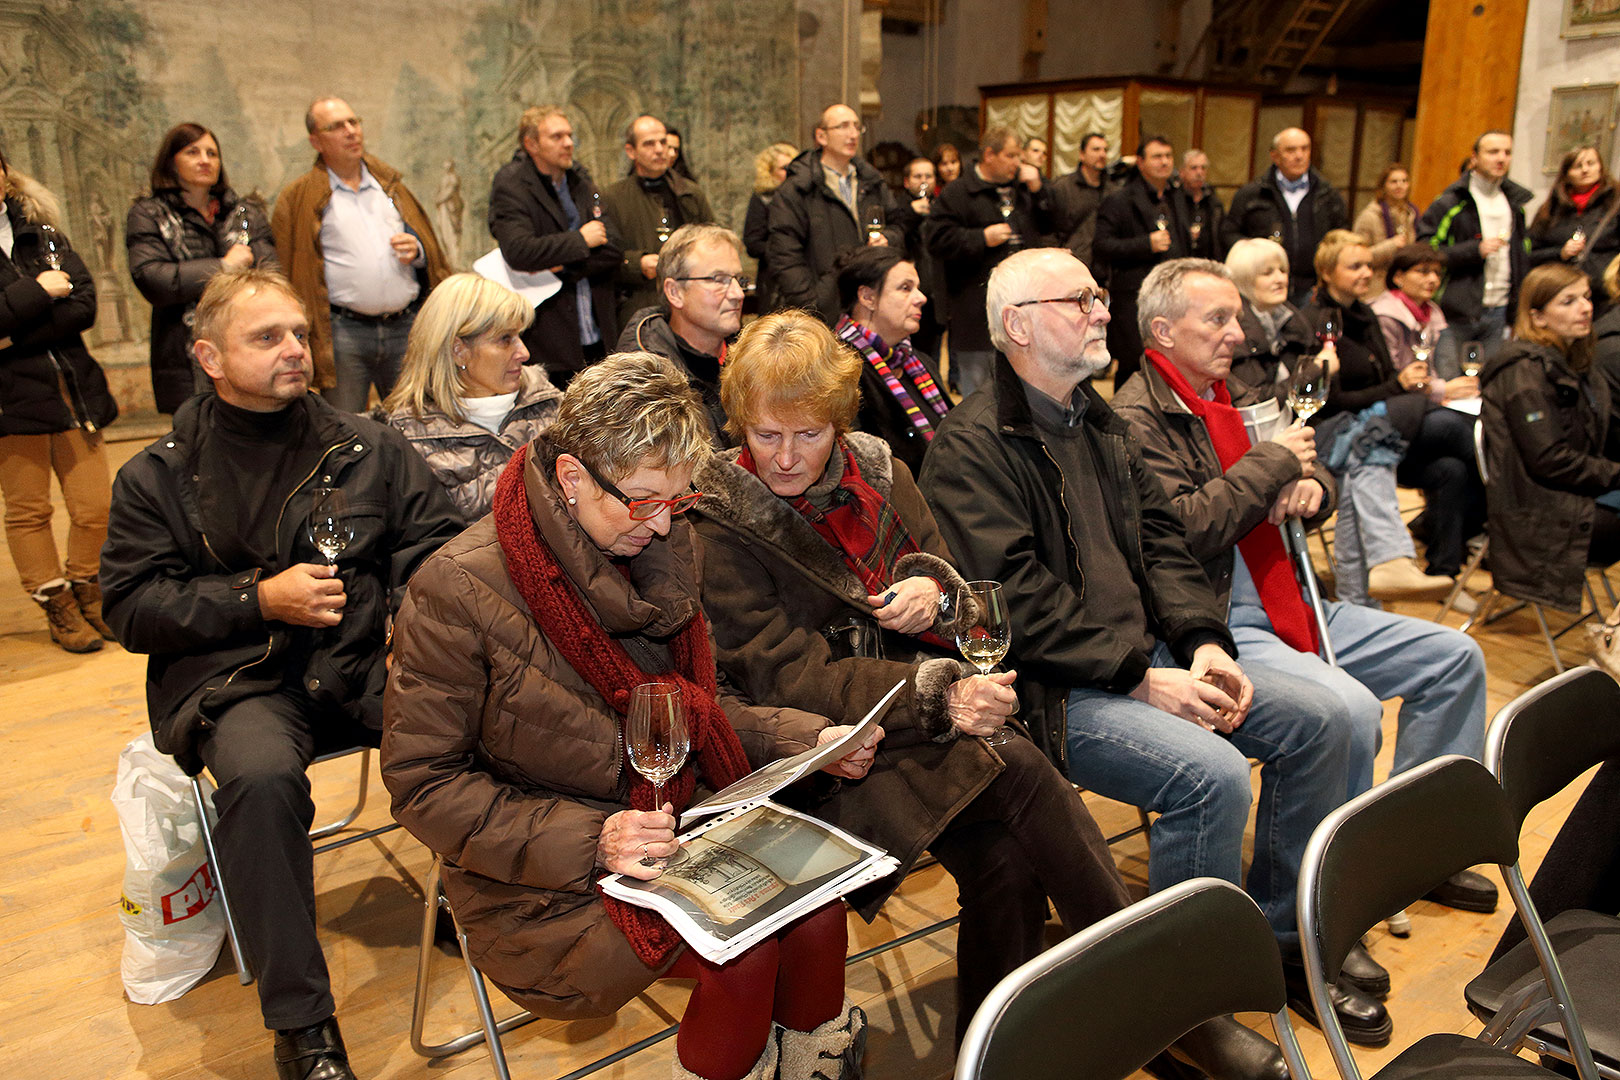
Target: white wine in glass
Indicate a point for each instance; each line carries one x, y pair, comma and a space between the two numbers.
656, 736
1308, 388
986, 640
330, 528
1473, 358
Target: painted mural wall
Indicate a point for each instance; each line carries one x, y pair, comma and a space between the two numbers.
87, 88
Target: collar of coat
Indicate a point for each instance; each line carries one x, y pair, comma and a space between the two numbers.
805, 175
1148, 384
658, 596
36, 204
330, 425
533, 388
1013, 415
1517, 194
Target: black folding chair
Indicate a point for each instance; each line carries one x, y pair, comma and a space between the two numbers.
1383, 851
1106, 1001
1536, 746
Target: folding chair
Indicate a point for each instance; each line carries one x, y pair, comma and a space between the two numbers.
1536, 746
1383, 851
1483, 613
244, 974
1111, 998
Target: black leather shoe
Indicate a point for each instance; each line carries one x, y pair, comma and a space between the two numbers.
1365, 1021
1465, 891
1226, 1050
312, 1053
1364, 973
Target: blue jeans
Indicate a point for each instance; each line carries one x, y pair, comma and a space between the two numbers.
1197, 781
1369, 529
1437, 672
363, 354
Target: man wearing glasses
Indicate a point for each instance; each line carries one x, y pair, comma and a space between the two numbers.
831, 201
359, 249
1127, 674
700, 277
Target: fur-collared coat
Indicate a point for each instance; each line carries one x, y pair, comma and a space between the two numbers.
49, 382
771, 585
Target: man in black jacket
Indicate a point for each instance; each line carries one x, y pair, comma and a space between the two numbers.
1478, 225
830, 202
1138, 227
546, 214
1125, 662
262, 653
1076, 197
983, 216
1290, 203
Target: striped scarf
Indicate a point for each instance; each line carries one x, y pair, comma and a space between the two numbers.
871, 348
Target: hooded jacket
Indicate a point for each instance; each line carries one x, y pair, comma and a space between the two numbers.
1550, 449
1451, 226
810, 227
296, 223
49, 382
649, 331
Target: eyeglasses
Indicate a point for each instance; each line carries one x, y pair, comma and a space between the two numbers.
721, 281
1085, 298
340, 125
858, 127
646, 509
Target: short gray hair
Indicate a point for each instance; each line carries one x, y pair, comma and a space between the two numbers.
1164, 293
1010, 283
1252, 256
675, 258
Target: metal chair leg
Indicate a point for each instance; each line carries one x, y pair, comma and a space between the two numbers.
359, 801
491, 1030
1474, 560
1552, 646
1482, 613
244, 974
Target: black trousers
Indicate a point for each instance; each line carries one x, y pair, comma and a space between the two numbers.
1440, 460
258, 754
1026, 838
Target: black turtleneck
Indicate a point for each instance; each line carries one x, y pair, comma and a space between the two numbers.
248, 464
660, 188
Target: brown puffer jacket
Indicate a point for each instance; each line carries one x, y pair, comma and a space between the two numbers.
466, 458
772, 585
504, 760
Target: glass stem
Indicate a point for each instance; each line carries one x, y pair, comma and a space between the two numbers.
658, 797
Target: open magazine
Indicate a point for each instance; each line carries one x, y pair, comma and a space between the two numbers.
757, 866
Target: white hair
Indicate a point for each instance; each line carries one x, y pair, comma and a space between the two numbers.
1011, 282
1252, 256
1164, 292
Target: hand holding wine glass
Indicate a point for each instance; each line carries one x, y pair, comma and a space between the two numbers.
330, 528
657, 739
1308, 388
1473, 358
53, 246
985, 638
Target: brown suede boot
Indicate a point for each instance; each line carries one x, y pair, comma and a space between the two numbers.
88, 594
68, 628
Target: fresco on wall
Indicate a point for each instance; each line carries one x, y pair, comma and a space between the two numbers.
87, 88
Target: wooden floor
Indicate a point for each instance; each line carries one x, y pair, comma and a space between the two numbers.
63, 1013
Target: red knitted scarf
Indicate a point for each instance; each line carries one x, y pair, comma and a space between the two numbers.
1262, 549
574, 631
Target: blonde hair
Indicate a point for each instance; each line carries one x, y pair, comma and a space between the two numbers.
535, 115
464, 307
765, 163
213, 315
1251, 257
1611, 278
789, 362
630, 411
1333, 245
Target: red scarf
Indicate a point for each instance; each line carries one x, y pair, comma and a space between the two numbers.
574, 631
1581, 198
1420, 312
1262, 550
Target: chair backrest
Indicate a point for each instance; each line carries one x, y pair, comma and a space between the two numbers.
1385, 849
1107, 1000
1479, 451
1547, 736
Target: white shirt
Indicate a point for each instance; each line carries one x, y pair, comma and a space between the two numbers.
1495, 219
362, 271
7, 239
1293, 191
488, 412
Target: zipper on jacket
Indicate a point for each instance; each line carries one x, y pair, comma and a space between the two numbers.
298, 486
1063, 504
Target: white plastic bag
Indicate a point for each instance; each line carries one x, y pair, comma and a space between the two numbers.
173, 929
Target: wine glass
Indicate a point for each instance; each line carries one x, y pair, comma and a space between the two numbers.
1196, 228
987, 638
53, 246
1308, 389
1424, 347
330, 528
874, 224
238, 228
1330, 329
663, 227
1473, 358
1276, 234
1161, 223
596, 206
658, 742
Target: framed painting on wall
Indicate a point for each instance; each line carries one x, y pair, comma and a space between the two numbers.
1590, 18
1580, 116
